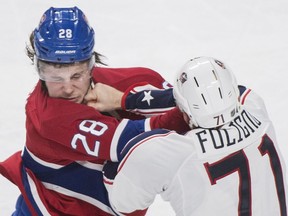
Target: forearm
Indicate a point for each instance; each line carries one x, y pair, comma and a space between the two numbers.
172, 120
148, 102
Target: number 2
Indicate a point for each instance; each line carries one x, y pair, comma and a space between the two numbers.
95, 128
238, 162
65, 33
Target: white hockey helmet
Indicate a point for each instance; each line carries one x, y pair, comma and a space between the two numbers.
207, 92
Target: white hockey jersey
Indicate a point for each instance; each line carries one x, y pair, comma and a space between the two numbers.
235, 170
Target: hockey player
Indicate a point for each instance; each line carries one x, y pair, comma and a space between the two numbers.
227, 164
59, 172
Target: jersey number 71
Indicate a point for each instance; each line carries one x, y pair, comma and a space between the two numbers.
238, 162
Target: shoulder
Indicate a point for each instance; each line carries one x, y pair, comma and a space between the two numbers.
46, 112
248, 93
159, 153
102, 72
158, 142
252, 101
116, 76
34, 96
136, 70
142, 138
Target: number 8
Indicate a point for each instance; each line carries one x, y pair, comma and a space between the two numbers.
91, 128
65, 33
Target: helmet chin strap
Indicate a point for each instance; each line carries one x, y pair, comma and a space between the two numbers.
192, 124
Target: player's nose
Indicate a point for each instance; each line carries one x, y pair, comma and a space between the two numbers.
67, 87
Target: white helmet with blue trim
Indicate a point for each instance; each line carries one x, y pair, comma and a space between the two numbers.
207, 92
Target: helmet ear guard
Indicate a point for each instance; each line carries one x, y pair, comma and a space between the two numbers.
63, 36
182, 104
207, 91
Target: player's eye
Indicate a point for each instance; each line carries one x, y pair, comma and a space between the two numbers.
77, 76
55, 79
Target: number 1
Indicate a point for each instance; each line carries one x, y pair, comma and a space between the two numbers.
238, 162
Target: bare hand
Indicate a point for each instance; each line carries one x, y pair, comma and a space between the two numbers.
104, 98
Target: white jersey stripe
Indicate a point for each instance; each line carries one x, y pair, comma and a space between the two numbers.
115, 140
36, 197
90, 165
147, 126
42, 162
83, 197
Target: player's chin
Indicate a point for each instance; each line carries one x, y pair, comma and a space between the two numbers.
82, 100
76, 99
79, 100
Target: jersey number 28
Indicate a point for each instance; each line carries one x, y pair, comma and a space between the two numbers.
95, 128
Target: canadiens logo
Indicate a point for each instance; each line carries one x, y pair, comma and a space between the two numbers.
220, 64
183, 77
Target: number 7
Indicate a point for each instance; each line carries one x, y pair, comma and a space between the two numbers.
238, 162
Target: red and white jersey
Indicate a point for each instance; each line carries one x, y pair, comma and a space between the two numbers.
60, 169
236, 170
69, 131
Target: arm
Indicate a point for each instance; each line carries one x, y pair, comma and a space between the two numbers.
135, 99
141, 99
138, 180
171, 120
79, 132
71, 131
147, 101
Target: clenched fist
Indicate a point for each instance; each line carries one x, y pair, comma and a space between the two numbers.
104, 98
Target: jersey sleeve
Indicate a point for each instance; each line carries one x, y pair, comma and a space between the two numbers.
159, 103
147, 100
171, 120
143, 171
128, 197
125, 187
123, 78
132, 81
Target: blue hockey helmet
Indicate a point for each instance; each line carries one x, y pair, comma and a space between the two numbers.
63, 36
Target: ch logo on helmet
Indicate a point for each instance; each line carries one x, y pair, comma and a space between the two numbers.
220, 64
183, 77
